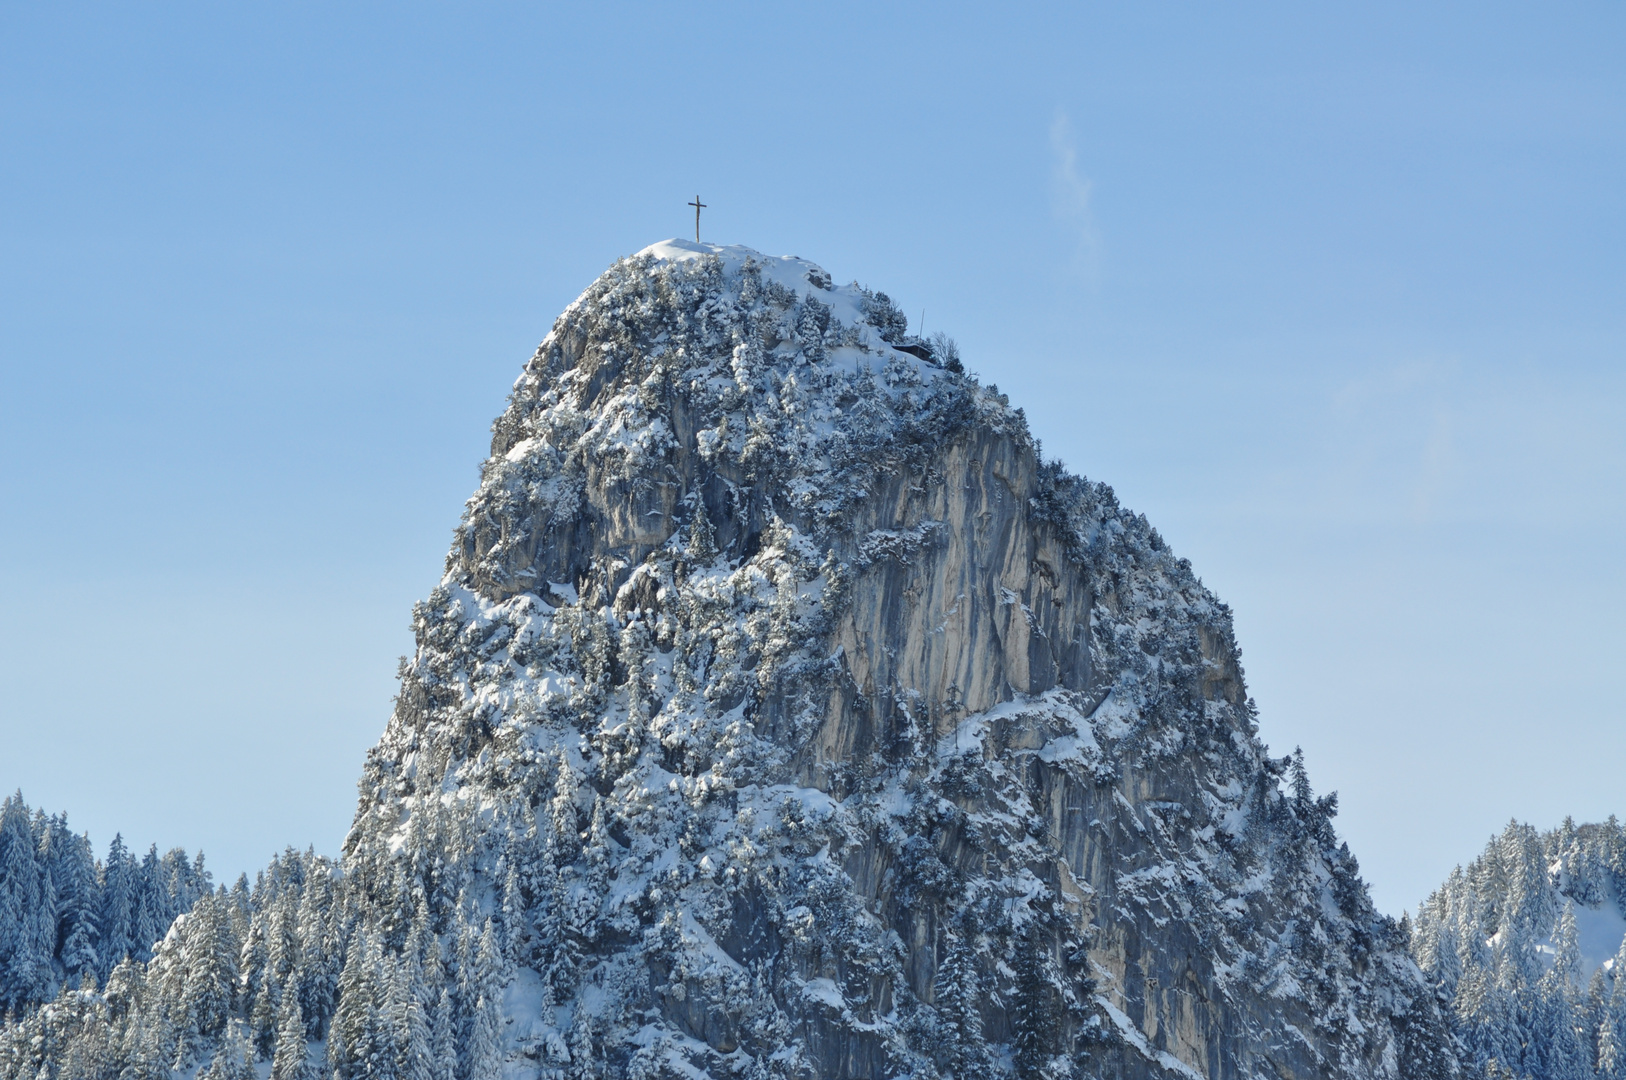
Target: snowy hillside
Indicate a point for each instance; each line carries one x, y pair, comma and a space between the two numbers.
1529, 941
781, 713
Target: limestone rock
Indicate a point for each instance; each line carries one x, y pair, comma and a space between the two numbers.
851, 738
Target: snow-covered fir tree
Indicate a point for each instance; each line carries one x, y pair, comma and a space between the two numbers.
783, 713
1528, 943
67, 919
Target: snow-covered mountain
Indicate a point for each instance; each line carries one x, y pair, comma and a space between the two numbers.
782, 712
1529, 942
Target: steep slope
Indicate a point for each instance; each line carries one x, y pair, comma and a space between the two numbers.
869, 742
782, 713
1529, 942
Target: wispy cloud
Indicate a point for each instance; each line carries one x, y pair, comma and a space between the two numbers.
1071, 192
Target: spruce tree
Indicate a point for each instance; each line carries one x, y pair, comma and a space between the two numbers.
485, 1055
290, 1058
202, 981
1555, 1025
443, 1038
1033, 1004
257, 989
405, 1022
234, 1059
584, 1064
25, 956
73, 868
150, 913
485, 1051
349, 1033
958, 1005
1612, 1023
320, 953
116, 910
702, 537
512, 908
596, 885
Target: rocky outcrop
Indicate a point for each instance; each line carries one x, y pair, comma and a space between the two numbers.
811, 724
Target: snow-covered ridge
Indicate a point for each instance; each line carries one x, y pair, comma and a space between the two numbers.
790, 271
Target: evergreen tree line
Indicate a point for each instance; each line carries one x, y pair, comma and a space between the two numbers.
1501, 938
392, 972
67, 918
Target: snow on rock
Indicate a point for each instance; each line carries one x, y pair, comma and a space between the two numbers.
862, 681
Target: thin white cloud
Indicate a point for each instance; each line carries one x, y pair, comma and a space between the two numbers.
1071, 192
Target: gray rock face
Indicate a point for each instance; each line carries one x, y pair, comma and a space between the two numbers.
811, 725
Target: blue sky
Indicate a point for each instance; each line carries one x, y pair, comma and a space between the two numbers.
1336, 295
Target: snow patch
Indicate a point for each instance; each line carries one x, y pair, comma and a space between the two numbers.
1136, 1038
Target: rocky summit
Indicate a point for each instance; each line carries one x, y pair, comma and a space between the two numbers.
782, 712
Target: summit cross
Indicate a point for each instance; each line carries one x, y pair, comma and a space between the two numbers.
698, 205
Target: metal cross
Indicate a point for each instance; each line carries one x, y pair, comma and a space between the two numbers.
697, 204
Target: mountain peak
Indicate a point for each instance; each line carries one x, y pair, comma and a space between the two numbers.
781, 713
913, 753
